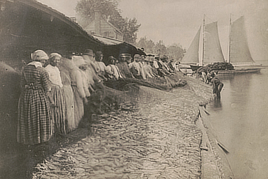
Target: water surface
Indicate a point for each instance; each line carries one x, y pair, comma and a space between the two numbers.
240, 120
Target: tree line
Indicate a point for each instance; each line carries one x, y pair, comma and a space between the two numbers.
174, 51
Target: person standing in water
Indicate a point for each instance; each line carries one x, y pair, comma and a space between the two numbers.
217, 86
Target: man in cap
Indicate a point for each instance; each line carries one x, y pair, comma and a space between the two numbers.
162, 70
136, 68
89, 57
147, 68
100, 65
112, 70
123, 66
153, 64
95, 85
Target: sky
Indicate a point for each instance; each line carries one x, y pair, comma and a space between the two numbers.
177, 21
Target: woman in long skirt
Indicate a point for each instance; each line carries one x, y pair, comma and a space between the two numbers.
66, 68
34, 122
77, 88
80, 87
57, 113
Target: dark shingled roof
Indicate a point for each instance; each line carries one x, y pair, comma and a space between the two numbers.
27, 25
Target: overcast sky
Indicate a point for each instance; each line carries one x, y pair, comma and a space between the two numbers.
177, 21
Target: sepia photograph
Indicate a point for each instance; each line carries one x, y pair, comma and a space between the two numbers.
133, 89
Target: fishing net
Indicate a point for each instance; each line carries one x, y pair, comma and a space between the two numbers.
124, 93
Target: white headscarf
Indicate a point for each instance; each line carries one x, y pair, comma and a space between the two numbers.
52, 55
39, 55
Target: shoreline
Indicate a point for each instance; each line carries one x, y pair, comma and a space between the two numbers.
213, 152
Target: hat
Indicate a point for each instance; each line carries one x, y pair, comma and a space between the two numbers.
137, 56
111, 58
39, 55
53, 55
88, 52
99, 53
78, 61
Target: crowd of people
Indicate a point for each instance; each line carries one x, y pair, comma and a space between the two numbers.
58, 92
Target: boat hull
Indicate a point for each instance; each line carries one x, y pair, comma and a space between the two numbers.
239, 71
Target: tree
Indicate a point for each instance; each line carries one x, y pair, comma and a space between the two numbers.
109, 9
130, 30
175, 51
148, 45
86, 8
160, 48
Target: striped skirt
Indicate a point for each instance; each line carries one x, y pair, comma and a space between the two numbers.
69, 105
58, 113
78, 106
34, 122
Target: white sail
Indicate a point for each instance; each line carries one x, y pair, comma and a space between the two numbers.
212, 48
238, 46
212, 51
192, 54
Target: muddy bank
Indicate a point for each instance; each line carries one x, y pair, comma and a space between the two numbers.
156, 138
159, 139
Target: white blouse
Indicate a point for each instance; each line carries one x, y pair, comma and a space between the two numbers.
54, 75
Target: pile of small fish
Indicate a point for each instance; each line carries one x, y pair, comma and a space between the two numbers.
157, 140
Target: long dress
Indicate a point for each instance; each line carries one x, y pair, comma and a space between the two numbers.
79, 94
34, 122
57, 113
68, 95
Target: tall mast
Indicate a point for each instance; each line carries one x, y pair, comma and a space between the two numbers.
203, 47
229, 42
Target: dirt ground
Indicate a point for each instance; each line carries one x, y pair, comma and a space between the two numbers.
157, 138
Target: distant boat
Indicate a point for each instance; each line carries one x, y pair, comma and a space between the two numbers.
205, 49
239, 53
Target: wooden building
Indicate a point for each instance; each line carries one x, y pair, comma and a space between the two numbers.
99, 26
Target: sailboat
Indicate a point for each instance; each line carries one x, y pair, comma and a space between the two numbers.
239, 53
205, 49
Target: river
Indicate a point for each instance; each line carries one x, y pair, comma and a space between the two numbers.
240, 120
